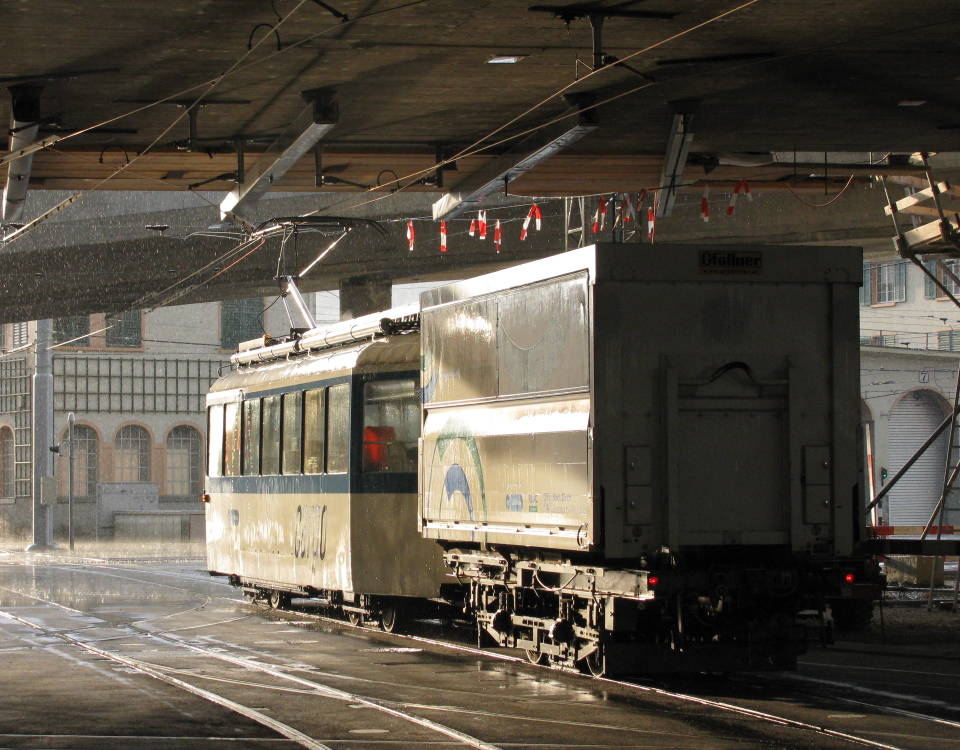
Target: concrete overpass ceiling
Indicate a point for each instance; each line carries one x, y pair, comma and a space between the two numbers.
770, 79
776, 75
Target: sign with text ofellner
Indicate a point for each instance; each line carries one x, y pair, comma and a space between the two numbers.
731, 261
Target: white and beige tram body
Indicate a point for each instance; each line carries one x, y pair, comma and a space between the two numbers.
312, 475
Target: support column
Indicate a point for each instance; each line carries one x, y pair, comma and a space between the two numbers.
362, 295
42, 433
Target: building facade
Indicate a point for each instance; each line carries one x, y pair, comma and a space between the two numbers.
910, 350
135, 384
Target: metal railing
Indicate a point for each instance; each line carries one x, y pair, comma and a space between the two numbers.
937, 341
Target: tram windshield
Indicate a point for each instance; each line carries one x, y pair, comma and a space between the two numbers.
391, 425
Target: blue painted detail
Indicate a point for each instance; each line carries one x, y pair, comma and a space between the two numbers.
384, 483
321, 484
426, 393
514, 502
456, 481
234, 517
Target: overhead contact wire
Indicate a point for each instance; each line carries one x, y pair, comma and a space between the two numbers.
479, 146
186, 110
469, 150
53, 140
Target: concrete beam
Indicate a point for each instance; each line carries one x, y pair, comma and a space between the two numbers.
267, 172
674, 162
539, 147
24, 126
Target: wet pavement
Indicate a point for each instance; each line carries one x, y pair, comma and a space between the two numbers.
160, 655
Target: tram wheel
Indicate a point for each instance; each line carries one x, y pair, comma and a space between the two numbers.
355, 618
391, 617
535, 657
279, 599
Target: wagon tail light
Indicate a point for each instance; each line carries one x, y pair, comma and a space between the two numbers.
205, 497
652, 581
849, 578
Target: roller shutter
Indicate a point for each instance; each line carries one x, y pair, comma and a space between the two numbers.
911, 422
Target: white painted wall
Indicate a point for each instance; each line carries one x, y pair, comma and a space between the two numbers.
913, 323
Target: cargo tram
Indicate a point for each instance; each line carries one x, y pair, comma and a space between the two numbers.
620, 458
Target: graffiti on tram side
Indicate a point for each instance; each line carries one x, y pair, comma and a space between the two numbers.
310, 534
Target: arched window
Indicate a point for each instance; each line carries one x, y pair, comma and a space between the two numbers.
85, 455
183, 462
132, 454
7, 468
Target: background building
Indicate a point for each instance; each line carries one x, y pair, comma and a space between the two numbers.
136, 385
910, 348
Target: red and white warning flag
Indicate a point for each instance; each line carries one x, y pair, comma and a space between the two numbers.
600, 216
651, 223
497, 236
705, 204
411, 235
742, 187
482, 224
535, 214
473, 227
628, 209
443, 236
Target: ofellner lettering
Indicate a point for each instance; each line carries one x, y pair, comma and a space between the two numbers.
730, 261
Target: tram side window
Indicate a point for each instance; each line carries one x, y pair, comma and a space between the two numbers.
338, 428
215, 441
270, 450
231, 433
291, 433
391, 425
251, 437
313, 424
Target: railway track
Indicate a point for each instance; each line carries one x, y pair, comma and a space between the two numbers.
271, 675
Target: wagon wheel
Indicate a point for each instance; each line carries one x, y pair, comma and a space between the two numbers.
279, 599
391, 616
355, 618
596, 662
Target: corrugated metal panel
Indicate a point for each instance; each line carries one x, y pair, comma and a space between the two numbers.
911, 422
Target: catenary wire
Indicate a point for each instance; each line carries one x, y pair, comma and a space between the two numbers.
211, 83
186, 110
485, 138
53, 140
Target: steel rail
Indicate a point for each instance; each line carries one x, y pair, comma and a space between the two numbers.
447, 645
278, 726
316, 688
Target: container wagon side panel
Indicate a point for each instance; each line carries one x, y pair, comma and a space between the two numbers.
509, 473
507, 440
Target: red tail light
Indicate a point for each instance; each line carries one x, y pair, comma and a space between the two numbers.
652, 581
849, 578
